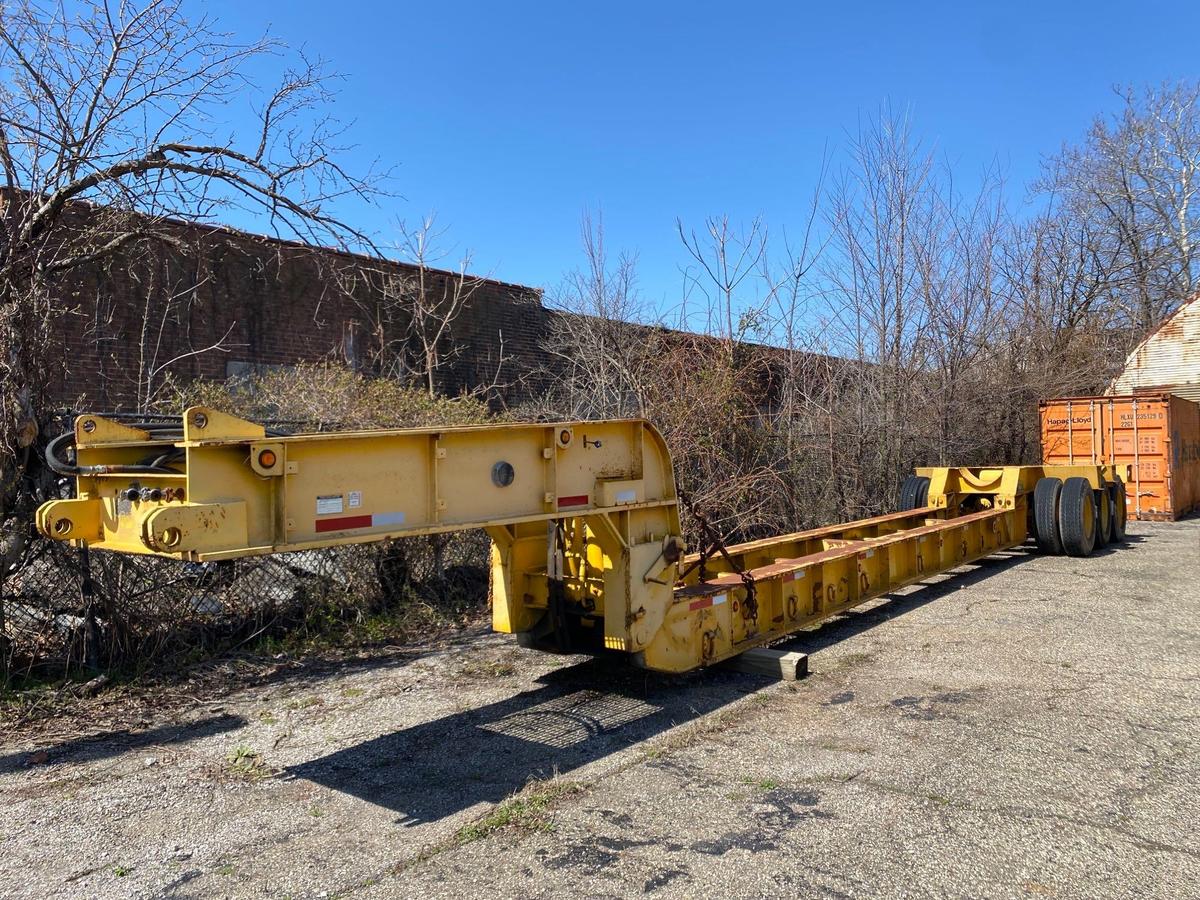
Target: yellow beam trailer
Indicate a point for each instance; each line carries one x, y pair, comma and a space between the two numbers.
587, 549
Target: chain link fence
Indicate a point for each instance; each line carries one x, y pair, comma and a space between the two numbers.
143, 612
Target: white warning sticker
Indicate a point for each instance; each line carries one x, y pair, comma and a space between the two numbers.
355, 499
329, 504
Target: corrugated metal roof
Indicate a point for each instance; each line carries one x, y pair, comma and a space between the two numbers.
1168, 358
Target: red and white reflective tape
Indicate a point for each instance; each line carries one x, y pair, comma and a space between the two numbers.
370, 520
705, 602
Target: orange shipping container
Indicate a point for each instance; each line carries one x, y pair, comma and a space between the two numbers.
1156, 435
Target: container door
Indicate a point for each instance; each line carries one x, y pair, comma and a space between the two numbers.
1141, 441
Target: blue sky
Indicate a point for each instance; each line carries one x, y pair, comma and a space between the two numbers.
509, 118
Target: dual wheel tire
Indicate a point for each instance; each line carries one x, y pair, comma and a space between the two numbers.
914, 493
1071, 518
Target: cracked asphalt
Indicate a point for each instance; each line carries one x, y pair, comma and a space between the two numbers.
1026, 729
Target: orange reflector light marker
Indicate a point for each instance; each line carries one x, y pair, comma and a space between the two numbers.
267, 459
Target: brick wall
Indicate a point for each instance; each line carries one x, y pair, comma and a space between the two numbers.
268, 303
156, 309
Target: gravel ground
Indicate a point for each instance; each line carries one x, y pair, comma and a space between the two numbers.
1027, 729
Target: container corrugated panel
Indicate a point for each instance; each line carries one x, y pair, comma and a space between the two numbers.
1168, 359
1157, 435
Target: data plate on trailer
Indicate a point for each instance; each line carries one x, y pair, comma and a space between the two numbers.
329, 504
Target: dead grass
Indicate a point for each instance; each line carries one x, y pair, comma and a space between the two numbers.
52, 710
477, 669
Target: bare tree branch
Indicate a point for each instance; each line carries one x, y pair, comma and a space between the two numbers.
114, 123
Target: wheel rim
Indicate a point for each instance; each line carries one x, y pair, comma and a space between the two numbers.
1088, 515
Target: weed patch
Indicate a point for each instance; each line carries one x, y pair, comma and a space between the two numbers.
762, 784
486, 669
527, 811
246, 763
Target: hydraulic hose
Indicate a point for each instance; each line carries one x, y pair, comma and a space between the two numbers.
63, 468
156, 464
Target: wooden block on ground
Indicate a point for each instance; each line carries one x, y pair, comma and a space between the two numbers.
778, 664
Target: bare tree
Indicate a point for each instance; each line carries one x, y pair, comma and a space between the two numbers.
601, 350
726, 258
410, 310
112, 124
436, 298
915, 303
1130, 192
154, 365
884, 214
799, 410
731, 455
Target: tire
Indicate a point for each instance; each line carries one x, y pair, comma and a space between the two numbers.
914, 493
1104, 517
1045, 515
1077, 519
1120, 508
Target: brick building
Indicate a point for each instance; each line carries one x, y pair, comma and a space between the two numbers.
211, 302
265, 302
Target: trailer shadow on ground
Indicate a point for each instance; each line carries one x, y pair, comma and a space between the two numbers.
576, 715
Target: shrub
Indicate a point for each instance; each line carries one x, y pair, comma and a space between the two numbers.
323, 396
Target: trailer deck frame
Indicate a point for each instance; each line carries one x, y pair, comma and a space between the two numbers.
587, 551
